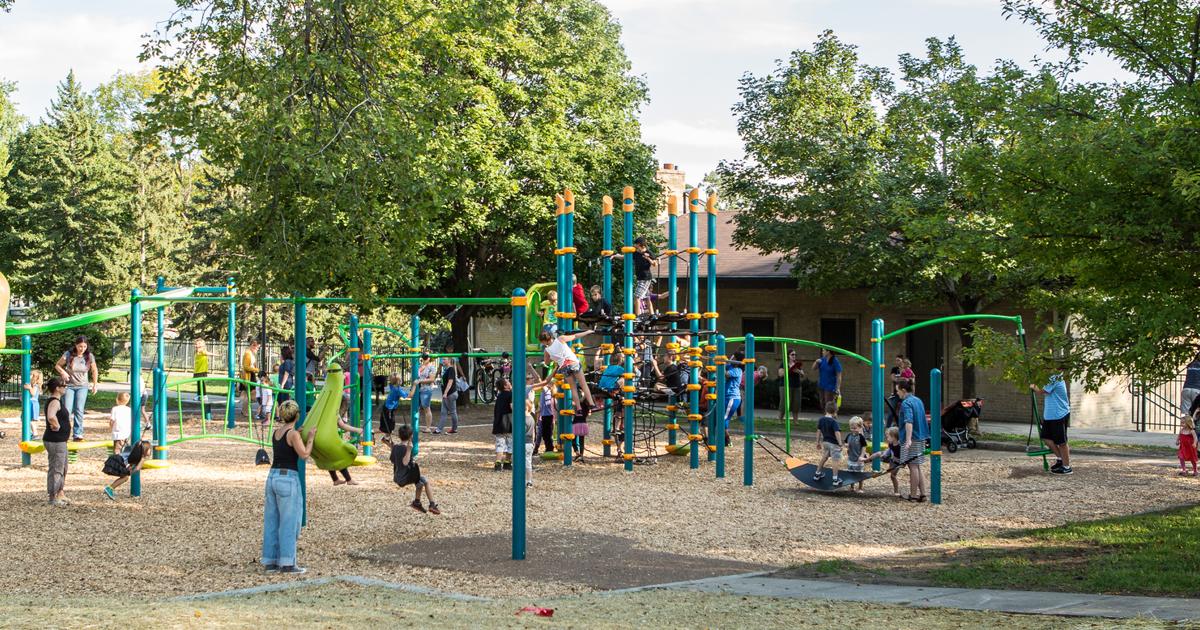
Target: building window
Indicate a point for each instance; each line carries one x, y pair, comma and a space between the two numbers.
760, 326
841, 332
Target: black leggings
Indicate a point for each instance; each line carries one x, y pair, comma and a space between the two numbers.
579, 445
345, 473
547, 431
387, 420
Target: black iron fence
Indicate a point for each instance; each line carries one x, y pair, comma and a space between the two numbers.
1157, 407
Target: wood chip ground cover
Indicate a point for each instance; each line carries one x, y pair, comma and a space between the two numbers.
198, 526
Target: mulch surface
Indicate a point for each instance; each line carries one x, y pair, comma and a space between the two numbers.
597, 561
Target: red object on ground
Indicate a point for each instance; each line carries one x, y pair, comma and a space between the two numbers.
541, 612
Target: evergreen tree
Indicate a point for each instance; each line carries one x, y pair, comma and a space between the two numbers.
68, 230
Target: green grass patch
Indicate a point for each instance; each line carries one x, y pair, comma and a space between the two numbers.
1144, 554
100, 402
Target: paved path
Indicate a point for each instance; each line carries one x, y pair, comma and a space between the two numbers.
1108, 436
1030, 602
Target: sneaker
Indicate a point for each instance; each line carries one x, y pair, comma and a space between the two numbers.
433, 509
818, 476
76, 439
497, 467
436, 431
452, 431
57, 503
528, 484
1056, 468
271, 568
1065, 470
837, 483
108, 492
416, 505
293, 569
507, 465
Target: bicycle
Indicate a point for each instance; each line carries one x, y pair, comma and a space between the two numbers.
487, 372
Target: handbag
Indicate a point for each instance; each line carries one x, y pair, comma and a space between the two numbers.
462, 384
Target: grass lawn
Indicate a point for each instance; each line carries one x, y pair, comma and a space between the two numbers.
1145, 554
101, 401
1140, 448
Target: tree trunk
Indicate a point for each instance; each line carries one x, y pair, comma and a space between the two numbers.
968, 370
459, 327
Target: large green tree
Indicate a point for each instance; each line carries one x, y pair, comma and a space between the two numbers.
1101, 182
66, 236
10, 125
399, 146
862, 183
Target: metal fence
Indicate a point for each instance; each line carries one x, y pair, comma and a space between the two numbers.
11, 389
1156, 407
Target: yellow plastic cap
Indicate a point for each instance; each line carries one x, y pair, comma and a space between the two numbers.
606, 205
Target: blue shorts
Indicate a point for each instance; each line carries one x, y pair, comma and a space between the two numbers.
425, 398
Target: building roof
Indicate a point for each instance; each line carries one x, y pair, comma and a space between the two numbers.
732, 261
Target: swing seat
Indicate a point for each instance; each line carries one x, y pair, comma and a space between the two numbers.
1042, 452
155, 464
33, 447
365, 460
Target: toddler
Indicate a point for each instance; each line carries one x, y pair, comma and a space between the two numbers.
387, 419
829, 443
549, 310
405, 470
265, 398
34, 387
546, 410
120, 422
890, 456
1186, 440
856, 450
502, 424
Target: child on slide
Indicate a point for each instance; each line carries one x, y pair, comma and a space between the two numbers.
1186, 441
890, 456
121, 466
405, 471
549, 311
829, 442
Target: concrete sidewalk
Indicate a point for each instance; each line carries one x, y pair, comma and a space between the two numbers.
1108, 436
1026, 602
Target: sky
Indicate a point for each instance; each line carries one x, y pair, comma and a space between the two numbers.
690, 53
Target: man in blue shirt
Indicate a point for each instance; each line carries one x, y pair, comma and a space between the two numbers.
914, 430
829, 377
1056, 416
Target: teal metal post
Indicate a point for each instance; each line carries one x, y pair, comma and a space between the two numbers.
566, 301
935, 451
673, 302
606, 286
135, 384
300, 393
627, 208
29, 405
710, 312
878, 416
158, 419
719, 407
693, 315
748, 415
160, 316
368, 438
231, 364
414, 409
519, 420
352, 355
368, 411
565, 412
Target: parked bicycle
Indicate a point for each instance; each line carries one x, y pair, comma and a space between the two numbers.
487, 372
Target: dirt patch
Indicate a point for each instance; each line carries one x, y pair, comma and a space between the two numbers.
597, 561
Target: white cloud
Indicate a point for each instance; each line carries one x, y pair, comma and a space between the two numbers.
39, 49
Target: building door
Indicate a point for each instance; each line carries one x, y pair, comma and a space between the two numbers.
926, 350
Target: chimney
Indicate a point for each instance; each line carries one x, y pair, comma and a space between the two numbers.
673, 182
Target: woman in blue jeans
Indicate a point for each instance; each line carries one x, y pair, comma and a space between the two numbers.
284, 504
75, 367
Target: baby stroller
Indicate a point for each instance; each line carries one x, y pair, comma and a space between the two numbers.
957, 419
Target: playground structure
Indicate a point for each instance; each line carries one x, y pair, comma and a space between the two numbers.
330, 452
642, 406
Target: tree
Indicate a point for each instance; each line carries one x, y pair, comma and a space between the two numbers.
860, 183
399, 146
1101, 184
68, 226
10, 124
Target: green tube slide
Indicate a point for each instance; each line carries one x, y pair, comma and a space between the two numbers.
92, 317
